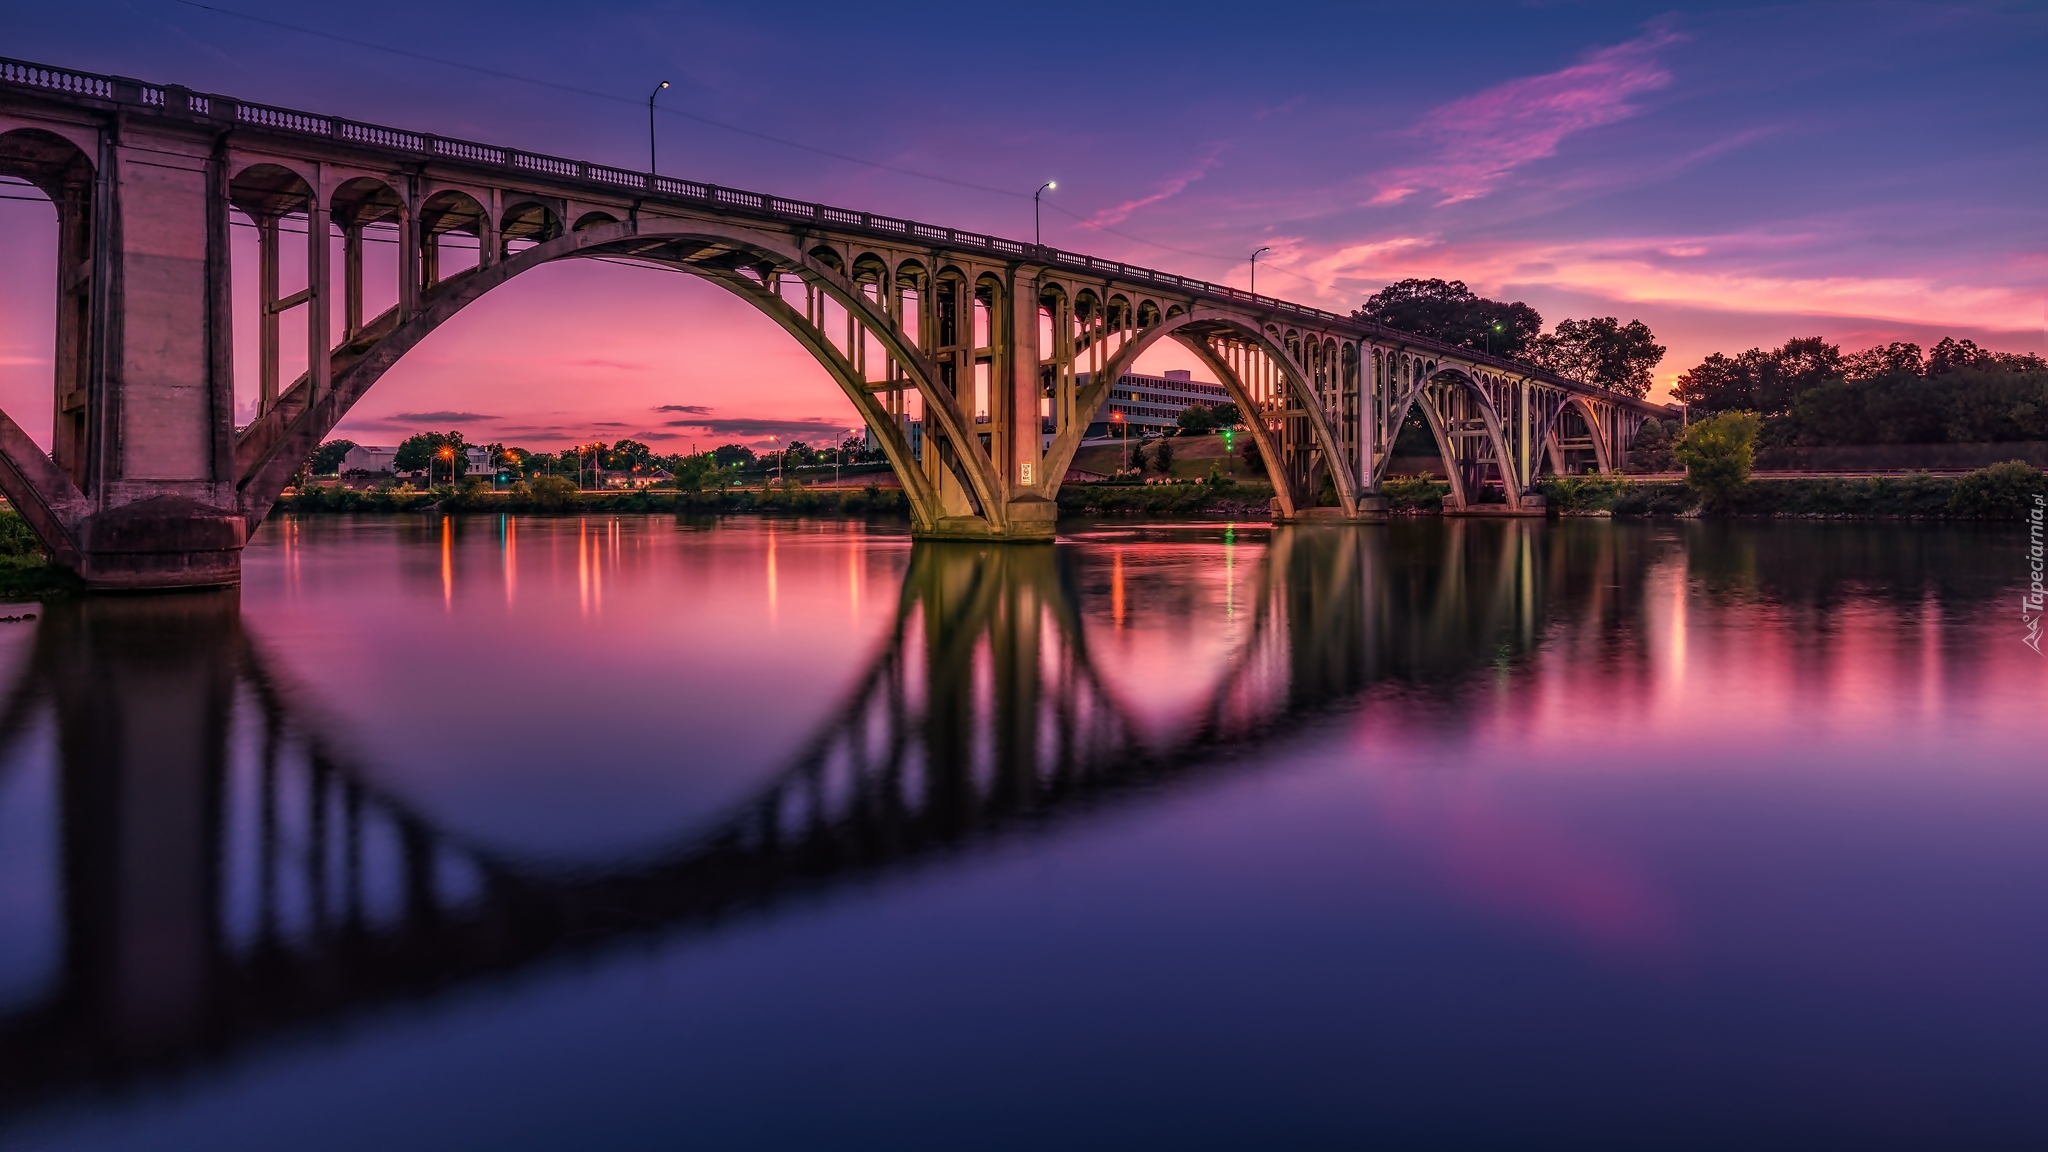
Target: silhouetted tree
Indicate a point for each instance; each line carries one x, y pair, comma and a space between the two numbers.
1601, 351
326, 459
422, 451
1446, 310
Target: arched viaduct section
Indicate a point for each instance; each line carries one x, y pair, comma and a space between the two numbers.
1003, 351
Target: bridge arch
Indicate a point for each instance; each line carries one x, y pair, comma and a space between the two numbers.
1190, 328
1549, 444
745, 263
1437, 393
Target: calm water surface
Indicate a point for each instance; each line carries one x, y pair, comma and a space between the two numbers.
627, 832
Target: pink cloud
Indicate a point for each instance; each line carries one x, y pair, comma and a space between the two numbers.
1482, 138
1173, 186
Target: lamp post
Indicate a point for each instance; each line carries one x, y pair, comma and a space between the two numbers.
1119, 418
1042, 188
650, 125
1255, 268
1490, 333
447, 454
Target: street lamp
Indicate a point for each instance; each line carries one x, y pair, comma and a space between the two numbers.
1119, 418
1490, 333
1255, 268
447, 454
1042, 188
650, 125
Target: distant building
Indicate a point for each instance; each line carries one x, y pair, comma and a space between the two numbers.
1150, 404
369, 458
914, 429
377, 458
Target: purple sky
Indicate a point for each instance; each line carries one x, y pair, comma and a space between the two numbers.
1731, 175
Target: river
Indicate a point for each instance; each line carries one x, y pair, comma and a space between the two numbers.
631, 832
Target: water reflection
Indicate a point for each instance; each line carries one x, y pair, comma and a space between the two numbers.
229, 869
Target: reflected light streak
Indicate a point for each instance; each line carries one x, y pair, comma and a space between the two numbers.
448, 563
1116, 589
511, 551
771, 576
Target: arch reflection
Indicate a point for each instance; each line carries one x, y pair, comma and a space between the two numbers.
230, 870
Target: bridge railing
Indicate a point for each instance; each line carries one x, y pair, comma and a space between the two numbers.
418, 145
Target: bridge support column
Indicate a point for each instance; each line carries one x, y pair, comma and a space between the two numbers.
152, 505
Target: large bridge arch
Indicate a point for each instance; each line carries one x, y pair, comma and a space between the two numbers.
1448, 383
270, 450
1549, 446
1191, 328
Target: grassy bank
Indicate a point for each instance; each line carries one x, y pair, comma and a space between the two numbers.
2000, 492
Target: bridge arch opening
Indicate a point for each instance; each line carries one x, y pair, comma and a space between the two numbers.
277, 242
526, 224
48, 294
371, 217
957, 483
443, 216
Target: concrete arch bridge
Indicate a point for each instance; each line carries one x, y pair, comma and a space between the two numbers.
1003, 349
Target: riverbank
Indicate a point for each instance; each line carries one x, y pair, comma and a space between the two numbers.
2000, 492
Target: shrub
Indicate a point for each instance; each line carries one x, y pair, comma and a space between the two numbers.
1717, 453
1414, 493
16, 537
1582, 493
1162, 457
552, 493
2000, 492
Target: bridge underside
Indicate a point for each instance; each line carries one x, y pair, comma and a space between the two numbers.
1000, 353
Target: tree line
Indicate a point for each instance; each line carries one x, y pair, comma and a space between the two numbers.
444, 456
1806, 393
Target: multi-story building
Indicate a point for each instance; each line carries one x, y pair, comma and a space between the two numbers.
1151, 404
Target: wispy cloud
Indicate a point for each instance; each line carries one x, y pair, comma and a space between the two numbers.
1171, 187
766, 428
1483, 137
442, 417
1748, 272
693, 409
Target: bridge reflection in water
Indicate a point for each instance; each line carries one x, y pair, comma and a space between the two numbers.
230, 870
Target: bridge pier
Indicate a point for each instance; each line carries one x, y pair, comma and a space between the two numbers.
1371, 510
140, 493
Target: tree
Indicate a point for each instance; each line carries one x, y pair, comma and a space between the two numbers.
1760, 381
627, 455
733, 454
1717, 453
422, 451
1226, 415
1891, 359
327, 459
1196, 419
1162, 457
1651, 451
1602, 352
1450, 312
